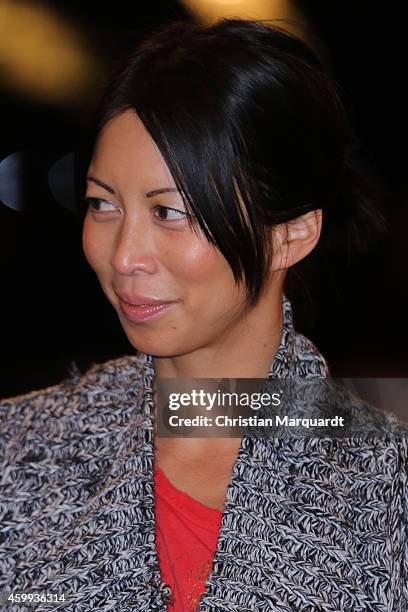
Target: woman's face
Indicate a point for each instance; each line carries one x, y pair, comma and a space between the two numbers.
174, 292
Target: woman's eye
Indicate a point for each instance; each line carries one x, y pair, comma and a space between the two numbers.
169, 214
100, 205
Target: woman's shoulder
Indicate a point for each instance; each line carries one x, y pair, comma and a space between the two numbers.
106, 392
114, 373
59, 447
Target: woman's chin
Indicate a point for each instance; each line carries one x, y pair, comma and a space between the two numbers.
157, 344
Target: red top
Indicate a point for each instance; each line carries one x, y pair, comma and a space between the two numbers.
186, 539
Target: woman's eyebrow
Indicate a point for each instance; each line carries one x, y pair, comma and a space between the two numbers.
92, 179
155, 192
149, 194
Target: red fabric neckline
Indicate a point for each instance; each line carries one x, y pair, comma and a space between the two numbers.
190, 508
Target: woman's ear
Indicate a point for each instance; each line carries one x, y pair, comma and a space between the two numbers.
294, 240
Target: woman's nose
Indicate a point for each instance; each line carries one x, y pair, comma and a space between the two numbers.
133, 252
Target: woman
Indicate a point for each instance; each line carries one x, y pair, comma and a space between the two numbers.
220, 163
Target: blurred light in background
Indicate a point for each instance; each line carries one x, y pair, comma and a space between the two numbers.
11, 184
210, 11
43, 55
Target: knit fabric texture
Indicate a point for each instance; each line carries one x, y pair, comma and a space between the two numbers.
310, 523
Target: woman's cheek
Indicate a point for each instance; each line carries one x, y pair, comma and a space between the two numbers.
196, 261
208, 281
94, 246
87, 242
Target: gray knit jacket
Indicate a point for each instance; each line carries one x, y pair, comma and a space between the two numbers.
310, 523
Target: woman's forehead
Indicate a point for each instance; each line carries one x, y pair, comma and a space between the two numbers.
125, 150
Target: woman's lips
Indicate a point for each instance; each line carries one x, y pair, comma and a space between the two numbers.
143, 312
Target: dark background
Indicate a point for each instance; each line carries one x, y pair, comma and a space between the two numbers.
53, 312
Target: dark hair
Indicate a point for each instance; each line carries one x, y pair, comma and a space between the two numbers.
252, 129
